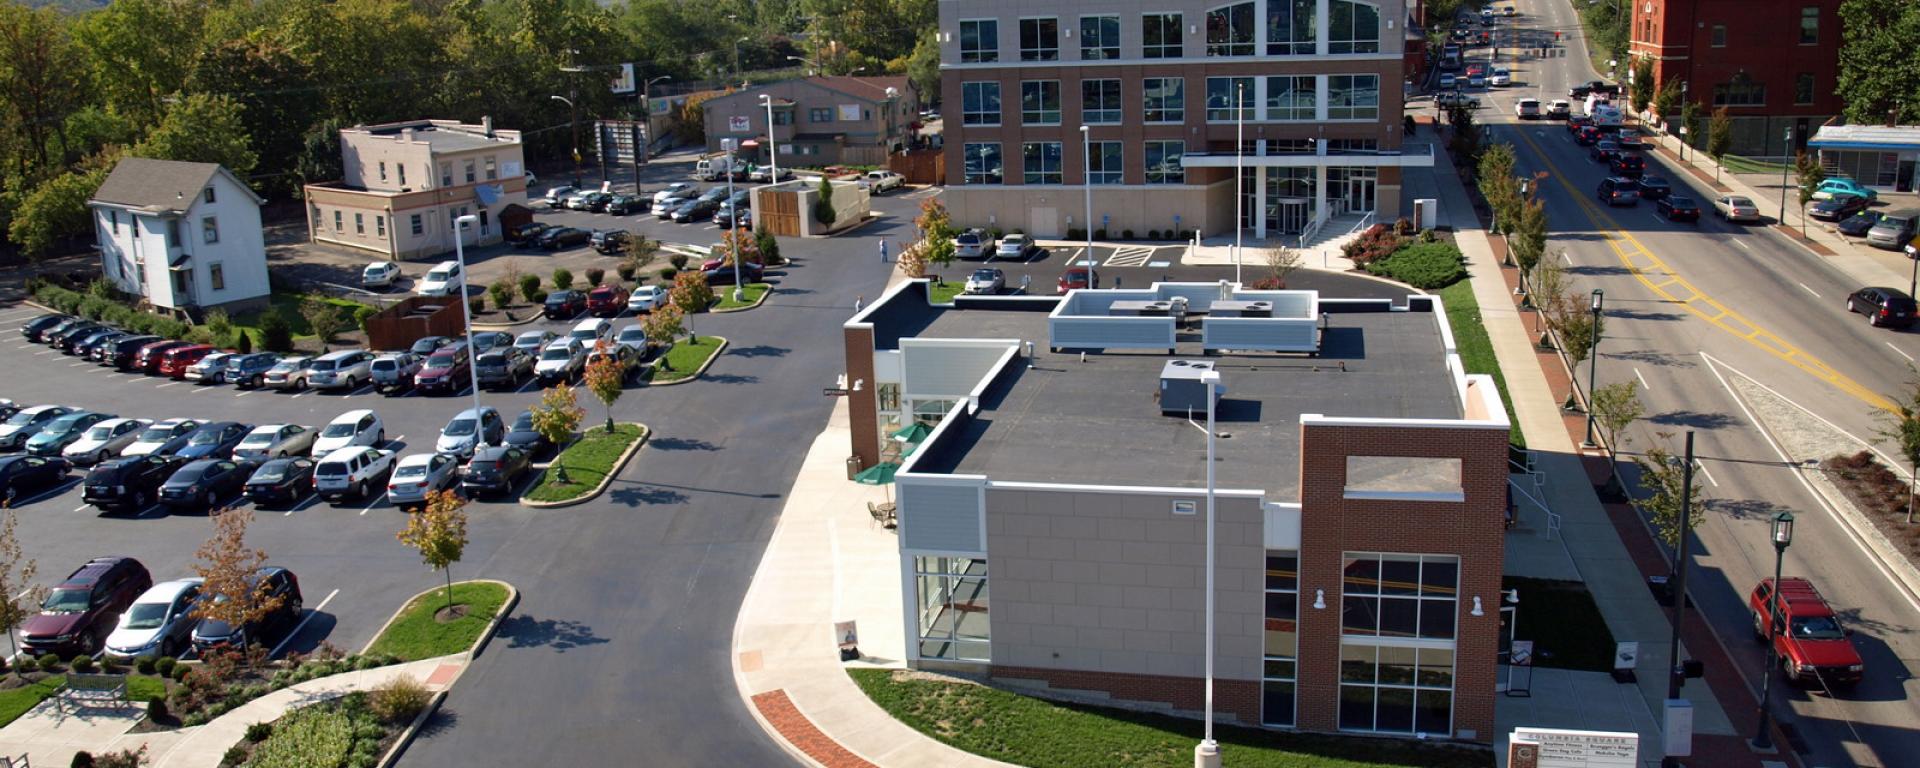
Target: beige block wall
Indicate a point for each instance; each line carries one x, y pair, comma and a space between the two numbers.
1043, 211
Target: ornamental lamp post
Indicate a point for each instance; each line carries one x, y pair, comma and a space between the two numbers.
1782, 535
1593, 360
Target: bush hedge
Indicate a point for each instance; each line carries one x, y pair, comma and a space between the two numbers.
1427, 266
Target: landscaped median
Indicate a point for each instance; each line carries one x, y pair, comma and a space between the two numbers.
590, 464
1025, 730
756, 294
423, 629
686, 359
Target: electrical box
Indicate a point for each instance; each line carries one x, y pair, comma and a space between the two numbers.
1182, 392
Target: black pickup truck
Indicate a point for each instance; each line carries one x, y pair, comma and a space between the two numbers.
1593, 86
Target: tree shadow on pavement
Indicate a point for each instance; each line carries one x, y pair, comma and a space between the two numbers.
761, 350
637, 495
1694, 419
443, 720
524, 631
682, 444
1651, 357
731, 378
1743, 509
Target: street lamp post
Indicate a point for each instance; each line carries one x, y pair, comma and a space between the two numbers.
1782, 538
1086, 176
1207, 753
1239, 173
573, 125
773, 162
1679, 582
1787, 149
1593, 360
1683, 125
466, 312
739, 270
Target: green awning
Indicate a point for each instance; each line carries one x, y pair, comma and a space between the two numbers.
878, 474
912, 433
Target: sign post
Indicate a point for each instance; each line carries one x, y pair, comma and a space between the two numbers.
849, 639
1561, 748
1626, 656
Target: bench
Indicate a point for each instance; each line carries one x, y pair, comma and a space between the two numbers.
85, 689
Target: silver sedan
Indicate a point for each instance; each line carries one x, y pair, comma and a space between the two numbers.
420, 473
275, 441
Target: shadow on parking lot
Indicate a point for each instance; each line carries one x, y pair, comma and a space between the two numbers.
559, 634
649, 495
319, 626
761, 350
731, 378
682, 444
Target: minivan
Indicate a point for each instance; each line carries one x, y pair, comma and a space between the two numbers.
1618, 190
78, 614
445, 279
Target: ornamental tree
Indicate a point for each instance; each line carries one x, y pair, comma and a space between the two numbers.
439, 533
235, 593
555, 417
606, 377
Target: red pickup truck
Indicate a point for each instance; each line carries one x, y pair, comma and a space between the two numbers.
1814, 648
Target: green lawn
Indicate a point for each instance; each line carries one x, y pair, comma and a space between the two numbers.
288, 304
1030, 731
142, 688
684, 358
416, 635
1738, 164
15, 702
754, 292
1563, 623
943, 292
1476, 350
587, 461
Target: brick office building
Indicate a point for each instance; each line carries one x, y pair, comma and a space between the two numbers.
1773, 65
1052, 524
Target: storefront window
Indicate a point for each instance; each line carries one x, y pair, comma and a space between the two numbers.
1397, 648
1281, 639
952, 595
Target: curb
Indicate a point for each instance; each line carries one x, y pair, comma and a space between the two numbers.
405, 739
703, 366
497, 326
756, 303
513, 599
646, 434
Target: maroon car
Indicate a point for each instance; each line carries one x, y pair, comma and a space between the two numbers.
607, 301
78, 614
445, 371
149, 357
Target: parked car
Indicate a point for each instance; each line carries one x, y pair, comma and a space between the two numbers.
417, 475
741, 205
534, 341
427, 345
564, 305
502, 369
526, 233
23, 476
459, 436
63, 432
973, 244
351, 472
84, 347
445, 279
609, 240
200, 485
175, 362
122, 352
214, 441
158, 623
622, 205
346, 369
148, 359
593, 201
379, 274
1859, 224
1015, 246
1837, 207
633, 337
289, 373
1654, 187
33, 329
1677, 208
128, 483
1593, 86
358, 427
103, 441
1527, 109
986, 281
211, 369
447, 371
1448, 98
393, 372
495, 470
77, 615
626, 358
727, 275
1888, 307
767, 173
1736, 208
281, 590
281, 481
1076, 278
1843, 186
645, 298
162, 438
881, 182
275, 441
577, 201
562, 360
697, 209
607, 300
1814, 647
1559, 109
557, 196
1894, 231
523, 435
564, 237
592, 330
250, 371
27, 422
670, 197
63, 339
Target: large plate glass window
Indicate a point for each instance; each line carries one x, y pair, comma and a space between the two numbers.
1353, 97
1223, 93
1039, 102
951, 593
1352, 27
1230, 30
1163, 162
979, 41
1040, 162
1100, 101
1099, 37
1164, 99
1104, 158
980, 103
1162, 36
1290, 27
983, 163
1039, 39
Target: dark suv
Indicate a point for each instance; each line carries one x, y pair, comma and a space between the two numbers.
128, 484
280, 583
1889, 307
78, 615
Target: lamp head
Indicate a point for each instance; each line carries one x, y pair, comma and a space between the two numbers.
466, 221
1783, 530
1599, 297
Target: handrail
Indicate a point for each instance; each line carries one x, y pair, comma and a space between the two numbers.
1365, 221
1309, 231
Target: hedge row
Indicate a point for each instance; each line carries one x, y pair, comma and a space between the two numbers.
107, 310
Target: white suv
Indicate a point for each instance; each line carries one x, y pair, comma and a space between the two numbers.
592, 330
445, 279
352, 428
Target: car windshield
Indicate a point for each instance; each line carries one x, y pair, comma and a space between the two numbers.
556, 353
339, 429
67, 600
323, 365
258, 438
584, 334
413, 470
146, 615
524, 423
529, 339
560, 298
21, 419
206, 437
633, 334
271, 473
1817, 628
437, 274
156, 434
100, 433
458, 428
286, 367
1740, 201
61, 428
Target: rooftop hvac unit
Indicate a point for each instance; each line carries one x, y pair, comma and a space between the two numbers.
1181, 390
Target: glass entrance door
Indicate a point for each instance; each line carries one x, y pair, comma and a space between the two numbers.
1288, 215
1359, 192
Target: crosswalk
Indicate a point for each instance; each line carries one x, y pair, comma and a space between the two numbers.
1130, 256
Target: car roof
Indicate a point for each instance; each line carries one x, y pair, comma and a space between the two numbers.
532, 334
592, 323
353, 415
265, 429
468, 413
168, 591
284, 461
567, 341
416, 459
340, 354
116, 422
93, 570
448, 264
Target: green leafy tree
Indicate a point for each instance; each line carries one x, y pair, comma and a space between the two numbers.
1690, 120
1529, 239
54, 212
923, 66
1807, 168
439, 533
1465, 145
664, 324
556, 417
19, 596
319, 156
1667, 99
1663, 476
823, 211
324, 318
202, 129
606, 378
1901, 426
140, 52
278, 105
691, 292
1615, 406
40, 83
275, 334
1879, 75
1576, 325
936, 226
1643, 85
1719, 136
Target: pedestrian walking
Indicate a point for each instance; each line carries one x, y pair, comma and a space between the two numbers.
883, 251
856, 302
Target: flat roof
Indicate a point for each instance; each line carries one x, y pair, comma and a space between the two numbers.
1871, 137
1098, 422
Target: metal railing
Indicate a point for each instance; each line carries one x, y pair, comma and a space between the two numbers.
1365, 222
1312, 228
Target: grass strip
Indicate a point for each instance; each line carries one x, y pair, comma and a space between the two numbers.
943, 292
753, 293
685, 358
587, 462
1024, 730
15, 702
1738, 164
416, 635
1476, 349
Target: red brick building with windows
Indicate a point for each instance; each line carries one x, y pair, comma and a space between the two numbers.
1772, 64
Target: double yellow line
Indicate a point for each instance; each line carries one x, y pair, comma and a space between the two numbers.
1665, 282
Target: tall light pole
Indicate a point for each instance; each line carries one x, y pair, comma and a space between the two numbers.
772, 157
466, 312
1787, 150
573, 124
1239, 195
1683, 123
1679, 582
1593, 360
1086, 176
1782, 534
733, 206
1207, 753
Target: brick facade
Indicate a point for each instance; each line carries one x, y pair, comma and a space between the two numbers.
1238, 698
862, 414
1707, 43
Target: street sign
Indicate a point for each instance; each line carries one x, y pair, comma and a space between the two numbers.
834, 392
1561, 748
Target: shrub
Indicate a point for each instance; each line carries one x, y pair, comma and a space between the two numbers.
625, 271
596, 276
678, 260
48, 662
165, 665
1100, 234
360, 315
242, 341
1428, 236
81, 759
82, 663
769, 247
235, 755
398, 700
667, 273
538, 296
529, 285
1076, 234
258, 732
157, 708
823, 211
1403, 227
1427, 266
562, 278
501, 292
477, 304
1126, 234
1377, 243
996, 232
180, 672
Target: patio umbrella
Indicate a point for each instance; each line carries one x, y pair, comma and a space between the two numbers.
912, 433
878, 474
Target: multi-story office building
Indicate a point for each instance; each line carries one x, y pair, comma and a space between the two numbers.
1772, 65
1052, 523
1147, 102
404, 184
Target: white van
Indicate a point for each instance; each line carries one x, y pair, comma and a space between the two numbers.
445, 279
593, 330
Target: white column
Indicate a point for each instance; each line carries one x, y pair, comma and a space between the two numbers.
1260, 197
1319, 192
1321, 8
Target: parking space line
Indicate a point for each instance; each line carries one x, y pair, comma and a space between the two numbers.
78, 364
1898, 351
308, 502
45, 352
165, 385
372, 504
151, 508
47, 494
360, 391
295, 632
81, 508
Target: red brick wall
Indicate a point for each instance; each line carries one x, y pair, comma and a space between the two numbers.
862, 407
1332, 525
1239, 698
1763, 40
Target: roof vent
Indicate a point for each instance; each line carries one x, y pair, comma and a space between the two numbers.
1182, 391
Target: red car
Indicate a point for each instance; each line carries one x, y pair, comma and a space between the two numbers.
147, 360
444, 371
607, 301
1814, 647
1075, 278
174, 363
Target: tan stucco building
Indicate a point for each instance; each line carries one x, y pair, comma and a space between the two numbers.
817, 120
403, 184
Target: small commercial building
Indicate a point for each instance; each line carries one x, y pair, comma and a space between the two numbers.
185, 236
1052, 525
817, 121
403, 185
1879, 156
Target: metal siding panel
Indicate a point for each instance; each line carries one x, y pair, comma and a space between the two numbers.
942, 518
1113, 332
1259, 333
946, 371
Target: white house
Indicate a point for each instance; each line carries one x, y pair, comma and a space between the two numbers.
184, 235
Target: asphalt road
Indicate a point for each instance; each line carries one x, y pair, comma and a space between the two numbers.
1689, 306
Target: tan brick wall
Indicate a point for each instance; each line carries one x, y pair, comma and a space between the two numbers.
1238, 698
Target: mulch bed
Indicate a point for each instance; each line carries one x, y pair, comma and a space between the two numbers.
1880, 494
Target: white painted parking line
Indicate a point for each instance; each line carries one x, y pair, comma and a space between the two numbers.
1898, 351
78, 364
45, 352
1643, 380
1741, 244
152, 508
81, 508
308, 502
1703, 470
243, 393
370, 505
361, 391
46, 494
1803, 286
295, 632
168, 384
